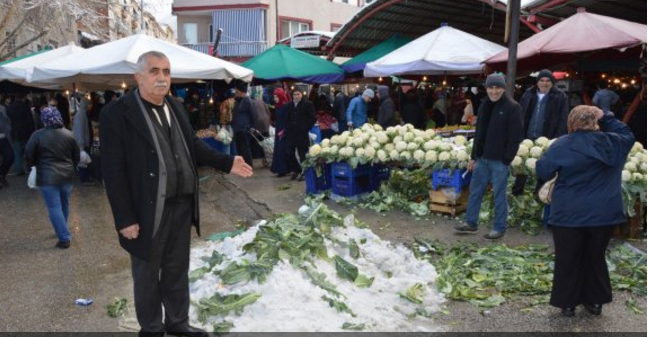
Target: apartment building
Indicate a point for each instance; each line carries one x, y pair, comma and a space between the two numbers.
252, 26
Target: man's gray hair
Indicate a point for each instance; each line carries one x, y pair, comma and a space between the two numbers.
142, 61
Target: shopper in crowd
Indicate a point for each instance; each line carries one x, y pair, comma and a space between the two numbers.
82, 130
242, 120
301, 118
6, 152
150, 155
387, 111
55, 154
586, 204
261, 124
545, 110
339, 110
22, 127
279, 163
604, 97
413, 112
468, 112
63, 106
356, 113
497, 139
226, 109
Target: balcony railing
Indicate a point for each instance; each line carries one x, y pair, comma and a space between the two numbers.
232, 49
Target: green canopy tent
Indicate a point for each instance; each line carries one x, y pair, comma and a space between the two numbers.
24, 56
284, 63
359, 62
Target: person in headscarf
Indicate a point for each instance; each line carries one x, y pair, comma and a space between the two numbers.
586, 204
55, 154
279, 164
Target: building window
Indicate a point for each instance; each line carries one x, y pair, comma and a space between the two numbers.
190, 33
290, 27
335, 27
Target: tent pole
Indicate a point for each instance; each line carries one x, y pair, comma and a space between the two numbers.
513, 46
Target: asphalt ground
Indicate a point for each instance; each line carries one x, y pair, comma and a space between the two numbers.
40, 283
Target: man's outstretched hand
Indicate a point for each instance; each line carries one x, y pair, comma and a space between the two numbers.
241, 168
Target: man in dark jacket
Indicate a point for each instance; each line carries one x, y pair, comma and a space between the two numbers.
149, 155
301, 118
545, 110
387, 110
22, 127
497, 139
243, 119
339, 110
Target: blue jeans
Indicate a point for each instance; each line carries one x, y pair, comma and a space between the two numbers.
495, 172
57, 200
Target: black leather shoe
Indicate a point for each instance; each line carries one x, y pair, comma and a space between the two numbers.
294, 176
568, 312
189, 332
63, 244
595, 309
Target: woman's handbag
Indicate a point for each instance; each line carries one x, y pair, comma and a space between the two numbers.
545, 192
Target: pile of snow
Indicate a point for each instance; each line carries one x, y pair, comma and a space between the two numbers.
291, 302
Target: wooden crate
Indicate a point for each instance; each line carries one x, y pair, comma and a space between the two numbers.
633, 228
441, 203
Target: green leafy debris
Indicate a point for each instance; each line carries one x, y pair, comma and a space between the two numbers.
414, 293
319, 279
363, 281
339, 306
354, 250
223, 327
345, 269
219, 305
352, 326
197, 274
117, 307
631, 304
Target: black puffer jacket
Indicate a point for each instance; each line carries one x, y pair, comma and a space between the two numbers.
55, 154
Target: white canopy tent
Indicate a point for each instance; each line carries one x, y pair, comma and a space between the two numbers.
113, 64
443, 51
20, 71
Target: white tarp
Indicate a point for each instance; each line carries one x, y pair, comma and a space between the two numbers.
113, 64
20, 71
442, 51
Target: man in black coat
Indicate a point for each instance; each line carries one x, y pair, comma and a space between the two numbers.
301, 118
149, 157
22, 127
497, 139
545, 110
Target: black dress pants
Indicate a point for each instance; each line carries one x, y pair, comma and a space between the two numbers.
6, 152
163, 279
294, 164
580, 271
242, 141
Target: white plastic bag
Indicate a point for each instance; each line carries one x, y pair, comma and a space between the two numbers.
85, 159
224, 135
31, 180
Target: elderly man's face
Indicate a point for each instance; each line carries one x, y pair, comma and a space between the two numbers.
495, 93
367, 99
155, 80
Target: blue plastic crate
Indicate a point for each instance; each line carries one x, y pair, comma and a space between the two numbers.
450, 178
315, 183
380, 173
344, 170
211, 142
349, 187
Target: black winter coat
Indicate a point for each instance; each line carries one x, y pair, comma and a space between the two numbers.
22, 121
499, 130
301, 118
556, 107
55, 154
133, 168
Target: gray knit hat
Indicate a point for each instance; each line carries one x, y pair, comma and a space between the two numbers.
369, 93
546, 73
495, 80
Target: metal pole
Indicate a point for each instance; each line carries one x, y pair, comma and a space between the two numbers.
513, 46
142, 16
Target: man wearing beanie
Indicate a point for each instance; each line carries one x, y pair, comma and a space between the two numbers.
545, 111
497, 139
356, 114
243, 118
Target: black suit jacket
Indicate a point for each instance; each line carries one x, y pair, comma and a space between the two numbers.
133, 172
301, 119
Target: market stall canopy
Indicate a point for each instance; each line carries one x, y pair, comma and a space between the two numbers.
442, 51
284, 63
113, 64
20, 69
360, 61
581, 32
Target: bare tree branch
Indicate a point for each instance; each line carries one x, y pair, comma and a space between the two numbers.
26, 43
